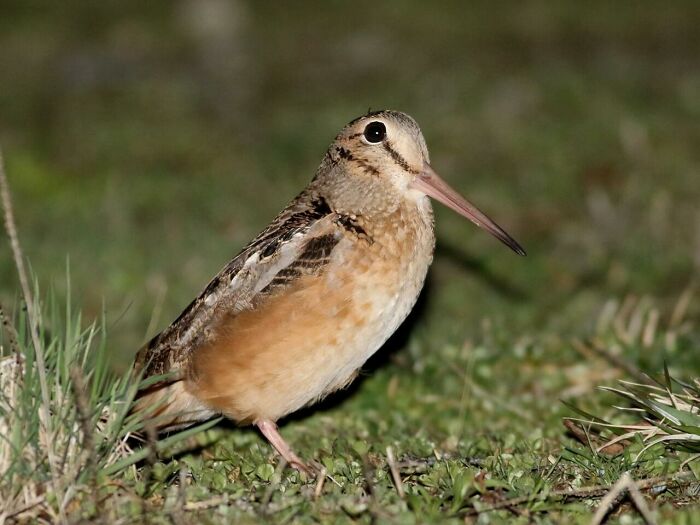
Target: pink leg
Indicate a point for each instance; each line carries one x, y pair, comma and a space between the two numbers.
269, 430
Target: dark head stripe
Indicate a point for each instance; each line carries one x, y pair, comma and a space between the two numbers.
398, 159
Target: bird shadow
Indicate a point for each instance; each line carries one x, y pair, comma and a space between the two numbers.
476, 267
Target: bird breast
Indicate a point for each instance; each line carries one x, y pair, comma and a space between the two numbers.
311, 339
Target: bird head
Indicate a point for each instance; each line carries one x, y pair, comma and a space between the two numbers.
382, 158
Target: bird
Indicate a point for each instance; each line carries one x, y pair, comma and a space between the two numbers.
295, 315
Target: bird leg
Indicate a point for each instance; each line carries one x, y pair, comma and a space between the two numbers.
269, 430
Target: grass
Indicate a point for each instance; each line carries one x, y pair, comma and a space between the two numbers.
148, 143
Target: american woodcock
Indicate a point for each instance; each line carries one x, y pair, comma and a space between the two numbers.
300, 309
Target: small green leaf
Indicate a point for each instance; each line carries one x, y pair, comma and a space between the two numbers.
265, 471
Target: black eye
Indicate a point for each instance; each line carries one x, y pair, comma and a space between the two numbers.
375, 132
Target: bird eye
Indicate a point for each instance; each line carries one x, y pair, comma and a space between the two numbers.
375, 132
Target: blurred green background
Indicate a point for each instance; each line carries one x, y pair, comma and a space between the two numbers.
148, 141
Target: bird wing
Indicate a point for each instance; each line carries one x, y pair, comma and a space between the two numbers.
298, 242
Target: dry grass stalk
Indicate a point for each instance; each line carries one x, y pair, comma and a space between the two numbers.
44, 414
624, 485
320, 481
594, 491
391, 461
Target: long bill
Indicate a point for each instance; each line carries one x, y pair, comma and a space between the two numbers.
430, 183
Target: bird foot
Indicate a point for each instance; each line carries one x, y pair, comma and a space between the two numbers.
269, 430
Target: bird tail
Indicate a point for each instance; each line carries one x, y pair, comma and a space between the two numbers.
163, 400
168, 406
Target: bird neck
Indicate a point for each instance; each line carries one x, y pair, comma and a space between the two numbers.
410, 219
354, 192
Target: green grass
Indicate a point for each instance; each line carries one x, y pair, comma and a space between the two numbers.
148, 142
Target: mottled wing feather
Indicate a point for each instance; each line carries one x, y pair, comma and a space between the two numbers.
312, 256
298, 242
